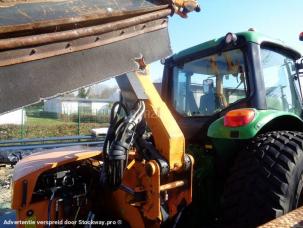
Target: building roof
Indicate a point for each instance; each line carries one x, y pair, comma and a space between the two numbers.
85, 100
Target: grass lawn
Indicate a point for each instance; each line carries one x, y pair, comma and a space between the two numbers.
46, 127
46, 121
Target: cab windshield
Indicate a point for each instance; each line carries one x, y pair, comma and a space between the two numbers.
207, 85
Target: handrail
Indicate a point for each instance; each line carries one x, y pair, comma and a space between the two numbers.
45, 139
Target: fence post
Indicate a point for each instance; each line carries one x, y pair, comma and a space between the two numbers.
78, 118
22, 124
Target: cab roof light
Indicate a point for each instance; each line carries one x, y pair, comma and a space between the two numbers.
238, 117
231, 38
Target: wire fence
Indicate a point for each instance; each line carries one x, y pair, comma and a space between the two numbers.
56, 118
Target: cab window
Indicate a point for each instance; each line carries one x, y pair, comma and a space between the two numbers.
207, 85
279, 73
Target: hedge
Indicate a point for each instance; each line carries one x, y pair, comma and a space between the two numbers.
42, 114
85, 118
35, 131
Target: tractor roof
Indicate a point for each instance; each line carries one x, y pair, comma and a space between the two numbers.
250, 36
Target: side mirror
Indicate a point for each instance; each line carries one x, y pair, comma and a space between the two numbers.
301, 36
300, 65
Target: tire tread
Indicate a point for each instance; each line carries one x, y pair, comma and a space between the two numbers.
258, 187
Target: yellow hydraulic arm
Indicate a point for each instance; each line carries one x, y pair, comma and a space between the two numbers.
168, 138
167, 181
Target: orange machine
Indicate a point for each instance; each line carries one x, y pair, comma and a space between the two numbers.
66, 185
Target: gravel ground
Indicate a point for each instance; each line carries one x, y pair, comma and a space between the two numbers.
6, 174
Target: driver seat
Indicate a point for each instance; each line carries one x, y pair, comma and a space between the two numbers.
207, 103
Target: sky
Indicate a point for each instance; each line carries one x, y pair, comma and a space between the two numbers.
280, 19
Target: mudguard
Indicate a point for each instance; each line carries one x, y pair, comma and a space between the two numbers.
262, 118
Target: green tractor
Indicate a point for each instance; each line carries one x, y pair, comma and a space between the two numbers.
238, 101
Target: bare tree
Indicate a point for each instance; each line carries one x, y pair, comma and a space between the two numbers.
83, 92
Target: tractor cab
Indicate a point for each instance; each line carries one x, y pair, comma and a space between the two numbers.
245, 70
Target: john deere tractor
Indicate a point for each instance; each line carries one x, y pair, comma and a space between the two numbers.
238, 101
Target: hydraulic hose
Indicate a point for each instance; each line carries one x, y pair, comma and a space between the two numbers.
118, 141
49, 206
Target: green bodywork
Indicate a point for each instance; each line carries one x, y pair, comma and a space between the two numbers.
217, 130
204, 187
229, 140
253, 37
209, 184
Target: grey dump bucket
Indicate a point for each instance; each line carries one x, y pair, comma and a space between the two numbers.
51, 47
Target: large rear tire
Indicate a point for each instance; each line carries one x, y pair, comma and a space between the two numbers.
266, 180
